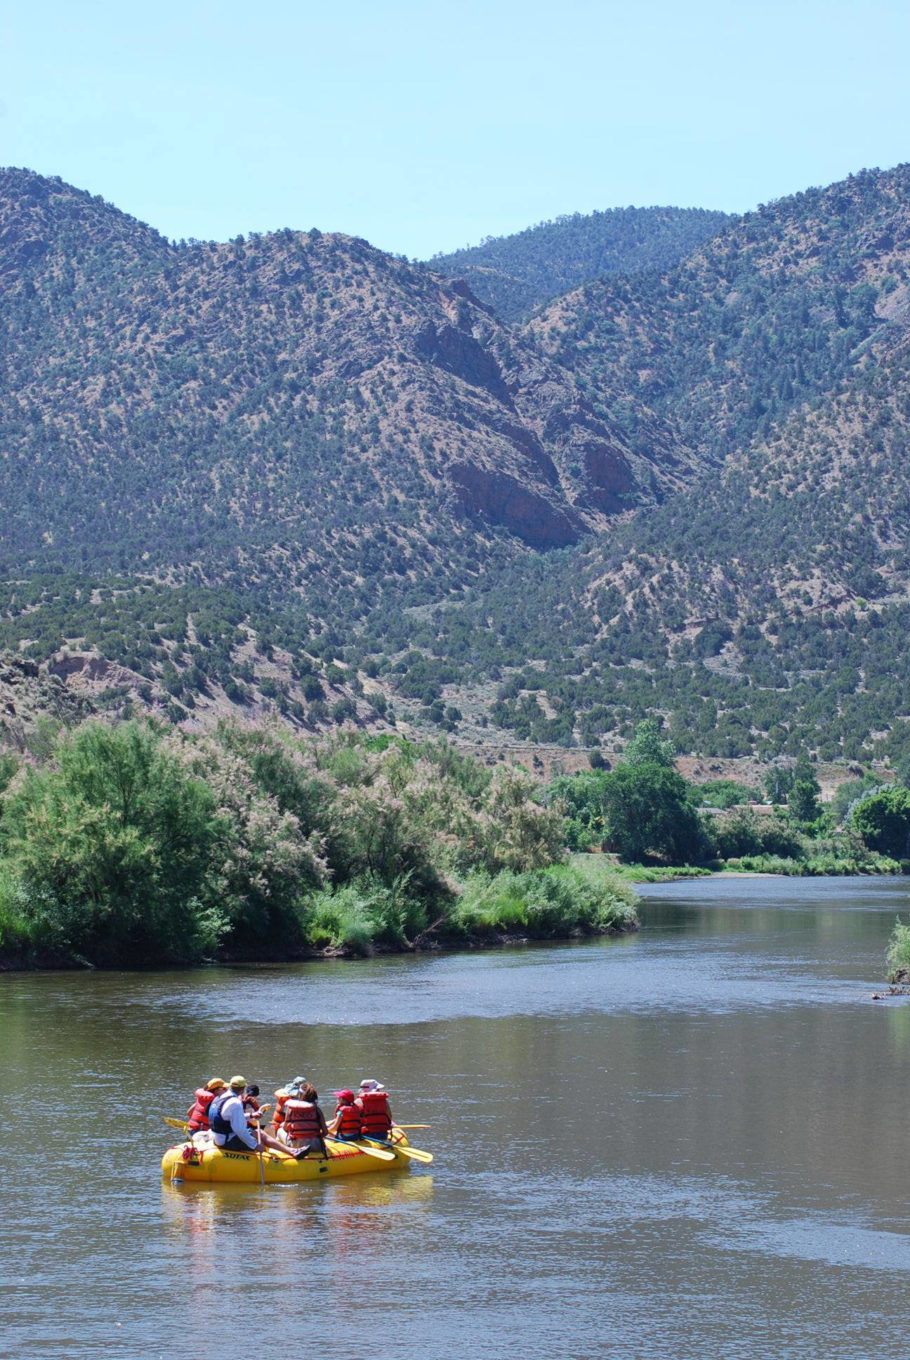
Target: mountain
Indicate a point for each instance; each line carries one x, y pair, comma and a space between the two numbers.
293, 473
767, 605
772, 313
517, 274
276, 434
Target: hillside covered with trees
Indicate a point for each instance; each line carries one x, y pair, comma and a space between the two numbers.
517, 274
294, 475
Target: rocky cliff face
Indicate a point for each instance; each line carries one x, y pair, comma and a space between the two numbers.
205, 393
30, 695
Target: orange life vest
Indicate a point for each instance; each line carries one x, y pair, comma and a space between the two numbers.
375, 1115
301, 1121
199, 1114
281, 1099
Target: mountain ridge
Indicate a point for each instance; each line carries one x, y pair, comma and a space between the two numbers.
519, 273
294, 470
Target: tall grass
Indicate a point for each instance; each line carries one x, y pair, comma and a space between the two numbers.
544, 903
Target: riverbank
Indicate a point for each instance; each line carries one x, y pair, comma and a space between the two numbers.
559, 902
492, 912
432, 943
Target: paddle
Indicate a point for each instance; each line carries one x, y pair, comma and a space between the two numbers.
380, 1154
412, 1126
416, 1154
180, 1124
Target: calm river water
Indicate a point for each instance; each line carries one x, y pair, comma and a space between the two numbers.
687, 1145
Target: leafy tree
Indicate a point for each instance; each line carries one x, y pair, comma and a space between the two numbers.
649, 746
802, 800
518, 832
647, 812
883, 821
113, 849
723, 793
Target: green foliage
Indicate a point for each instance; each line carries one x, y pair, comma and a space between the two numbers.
582, 796
723, 793
363, 913
802, 800
516, 831
544, 903
848, 793
883, 821
136, 845
743, 832
649, 747
112, 850
898, 957
647, 811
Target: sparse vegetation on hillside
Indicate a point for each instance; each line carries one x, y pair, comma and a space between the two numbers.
516, 274
291, 474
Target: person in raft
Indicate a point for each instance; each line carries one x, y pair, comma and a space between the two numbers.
251, 1104
229, 1127
198, 1114
375, 1116
282, 1096
345, 1123
304, 1123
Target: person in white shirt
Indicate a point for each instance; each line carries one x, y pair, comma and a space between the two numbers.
227, 1120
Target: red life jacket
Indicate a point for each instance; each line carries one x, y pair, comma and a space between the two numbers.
350, 1121
199, 1114
301, 1120
375, 1115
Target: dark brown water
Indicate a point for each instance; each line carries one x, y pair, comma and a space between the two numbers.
685, 1145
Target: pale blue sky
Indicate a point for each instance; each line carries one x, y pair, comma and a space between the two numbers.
425, 127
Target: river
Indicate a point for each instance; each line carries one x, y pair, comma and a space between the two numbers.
684, 1145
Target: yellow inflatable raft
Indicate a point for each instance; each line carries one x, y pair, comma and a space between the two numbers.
201, 1161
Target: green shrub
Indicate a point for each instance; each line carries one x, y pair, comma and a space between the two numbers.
337, 919
544, 903
17, 930
362, 913
113, 850
744, 832
883, 820
898, 956
723, 793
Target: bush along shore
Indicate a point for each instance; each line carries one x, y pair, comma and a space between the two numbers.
133, 845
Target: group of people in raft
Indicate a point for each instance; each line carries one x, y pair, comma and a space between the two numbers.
231, 1111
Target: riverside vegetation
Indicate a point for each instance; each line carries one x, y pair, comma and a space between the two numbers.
134, 844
